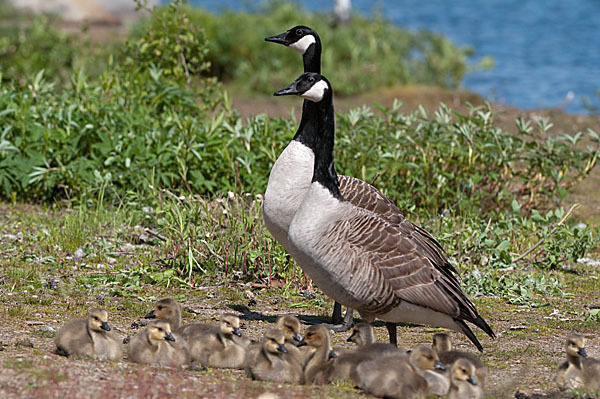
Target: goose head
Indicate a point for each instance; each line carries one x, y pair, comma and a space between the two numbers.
441, 343
230, 325
310, 86
274, 341
463, 371
290, 326
98, 320
362, 334
424, 358
168, 310
159, 331
300, 38
576, 346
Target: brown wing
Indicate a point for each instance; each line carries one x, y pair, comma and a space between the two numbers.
406, 266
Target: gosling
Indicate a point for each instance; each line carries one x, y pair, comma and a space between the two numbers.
464, 384
91, 337
398, 376
157, 345
271, 361
319, 366
579, 371
443, 346
169, 310
215, 346
290, 326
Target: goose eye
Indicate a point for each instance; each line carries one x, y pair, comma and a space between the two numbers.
311, 80
299, 32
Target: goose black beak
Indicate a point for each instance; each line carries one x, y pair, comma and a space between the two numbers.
105, 326
237, 332
288, 91
280, 39
170, 337
281, 348
582, 352
440, 366
298, 337
471, 380
150, 315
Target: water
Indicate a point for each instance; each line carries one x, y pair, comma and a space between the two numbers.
545, 52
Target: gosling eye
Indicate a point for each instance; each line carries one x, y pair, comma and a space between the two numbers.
160, 329
96, 318
160, 307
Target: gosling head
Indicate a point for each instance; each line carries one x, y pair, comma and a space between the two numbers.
576, 346
362, 334
98, 320
310, 86
165, 309
441, 343
316, 336
463, 371
290, 326
274, 341
230, 325
159, 330
300, 38
425, 358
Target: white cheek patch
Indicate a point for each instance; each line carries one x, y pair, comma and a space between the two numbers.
302, 45
316, 92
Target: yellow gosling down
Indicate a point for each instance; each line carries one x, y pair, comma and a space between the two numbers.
91, 336
579, 371
157, 345
463, 383
270, 360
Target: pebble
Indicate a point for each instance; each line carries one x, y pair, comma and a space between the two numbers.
47, 329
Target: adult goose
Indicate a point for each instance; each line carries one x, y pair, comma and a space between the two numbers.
292, 173
358, 257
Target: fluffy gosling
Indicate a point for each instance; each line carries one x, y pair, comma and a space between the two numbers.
270, 360
157, 345
579, 371
91, 336
443, 346
463, 382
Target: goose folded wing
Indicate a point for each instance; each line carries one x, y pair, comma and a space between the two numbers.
405, 266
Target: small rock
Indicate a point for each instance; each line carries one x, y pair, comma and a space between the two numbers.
79, 253
47, 329
251, 302
120, 307
24, 342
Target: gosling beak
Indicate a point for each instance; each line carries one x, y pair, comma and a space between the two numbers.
298, 337
105, 326
280, 39
472, 380
440, 366
331, 355
281, 348
170, 337
349, 339
150, 315
582, 352
288, 91
302, 343
237, 332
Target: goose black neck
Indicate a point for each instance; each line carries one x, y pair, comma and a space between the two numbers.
312, 57
317, 132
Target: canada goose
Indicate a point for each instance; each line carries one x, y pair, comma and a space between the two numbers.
270, 360
319, 365
91, 336
156, 344
578, 371
399, 375
169, 310
463, 383
215, 346
443, 346
358, 257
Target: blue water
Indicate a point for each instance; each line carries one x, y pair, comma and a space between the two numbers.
544, 51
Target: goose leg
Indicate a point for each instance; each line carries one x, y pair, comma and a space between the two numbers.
336, 317
339, 324
392, 331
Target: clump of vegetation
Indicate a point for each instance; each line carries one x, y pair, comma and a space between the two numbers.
369, 53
